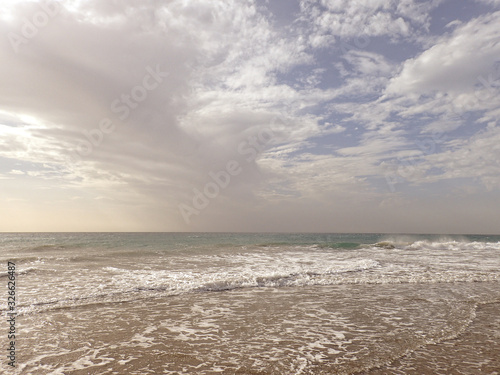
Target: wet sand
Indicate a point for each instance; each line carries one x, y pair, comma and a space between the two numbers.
475, 351
344, 329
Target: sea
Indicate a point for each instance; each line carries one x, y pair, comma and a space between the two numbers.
250, 303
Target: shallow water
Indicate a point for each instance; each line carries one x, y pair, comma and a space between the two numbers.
255, 304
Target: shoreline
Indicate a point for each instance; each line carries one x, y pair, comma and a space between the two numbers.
472, 351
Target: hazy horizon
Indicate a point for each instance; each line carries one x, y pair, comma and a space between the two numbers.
309, 116
387, 235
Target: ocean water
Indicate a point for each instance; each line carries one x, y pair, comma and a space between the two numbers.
222, 303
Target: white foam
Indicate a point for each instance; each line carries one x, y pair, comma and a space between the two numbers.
452, 245
416, 262
290, 270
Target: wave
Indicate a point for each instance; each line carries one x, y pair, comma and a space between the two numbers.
25, 259
385, 245
144, 289
306, 277
20, 272
445, 244
44, 247
117, 278
130, 285
398, 243
223, 283
341, 245
452, 245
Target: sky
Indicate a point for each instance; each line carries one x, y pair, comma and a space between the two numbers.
250, 116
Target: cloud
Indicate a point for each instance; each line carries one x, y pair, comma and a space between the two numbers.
16, 171
365, 64
343, 20
352, 86
221, 58
455, 63
475, 158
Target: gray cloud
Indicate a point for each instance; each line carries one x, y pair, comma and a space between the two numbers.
115, 113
